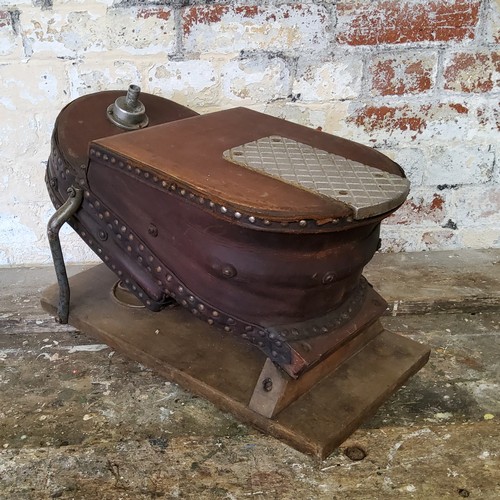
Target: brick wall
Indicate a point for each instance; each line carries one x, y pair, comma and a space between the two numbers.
416, 79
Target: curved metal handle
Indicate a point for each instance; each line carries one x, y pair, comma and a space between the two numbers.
62, 215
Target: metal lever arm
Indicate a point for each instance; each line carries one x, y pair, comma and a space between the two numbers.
62, 215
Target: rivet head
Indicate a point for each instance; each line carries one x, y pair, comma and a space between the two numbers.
103, 235
180, 289
153, 230
328, 278
251, 219
183, 192
210, 321
215, 314
237, 215
231, 321
228, 271
169, 277
267, 222
302, 223
201, 307
227, 328
223, 210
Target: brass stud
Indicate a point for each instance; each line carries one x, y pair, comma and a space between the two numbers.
215, 314
251, 219
237, 215
223, 210
302, 223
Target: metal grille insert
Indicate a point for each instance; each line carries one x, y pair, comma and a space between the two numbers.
367, 190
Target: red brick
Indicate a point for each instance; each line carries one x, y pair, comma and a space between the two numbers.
5, 18
154, 12
208, 14
472, 72
225, 28
406, 118
421, 208
402, 74
406, 21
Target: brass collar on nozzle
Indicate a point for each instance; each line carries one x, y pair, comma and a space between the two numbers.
127, 111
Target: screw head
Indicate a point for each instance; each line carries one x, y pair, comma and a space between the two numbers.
153, 230
267, 384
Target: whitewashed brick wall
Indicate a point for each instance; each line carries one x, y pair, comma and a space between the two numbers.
416, 79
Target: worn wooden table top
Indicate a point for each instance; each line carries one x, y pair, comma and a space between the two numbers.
79, 421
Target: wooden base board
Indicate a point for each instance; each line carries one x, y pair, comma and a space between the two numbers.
225, 369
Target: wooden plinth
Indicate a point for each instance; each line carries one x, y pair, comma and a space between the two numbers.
227, 370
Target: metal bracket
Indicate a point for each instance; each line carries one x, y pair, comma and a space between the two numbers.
62, 215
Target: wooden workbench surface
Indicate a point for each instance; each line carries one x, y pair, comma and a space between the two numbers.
79, 421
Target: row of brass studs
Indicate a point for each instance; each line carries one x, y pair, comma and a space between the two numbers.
175, 288
222, 209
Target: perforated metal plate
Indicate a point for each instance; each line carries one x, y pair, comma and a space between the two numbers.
367, 190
